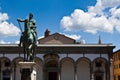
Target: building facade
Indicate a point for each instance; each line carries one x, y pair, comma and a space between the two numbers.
116, 65
59, 58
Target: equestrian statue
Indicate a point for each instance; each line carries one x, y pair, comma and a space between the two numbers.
28, 37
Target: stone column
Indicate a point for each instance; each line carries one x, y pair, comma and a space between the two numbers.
28, 71
14, 71
91, 72
75, 72
0, 70
59, 72
111, 70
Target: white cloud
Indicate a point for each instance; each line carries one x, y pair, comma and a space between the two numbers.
17, 42
111, 3
80, 20
115, 18
76, 37
40, 37
115, 12
6, 42
3, 42
73, 36
6, 28
97, 18
97, 9
3, 16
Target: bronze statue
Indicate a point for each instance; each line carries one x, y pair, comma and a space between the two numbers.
28, 37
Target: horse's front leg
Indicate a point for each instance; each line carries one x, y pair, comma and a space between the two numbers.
29, 53
24, 52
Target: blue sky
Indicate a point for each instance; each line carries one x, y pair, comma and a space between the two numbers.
79, 19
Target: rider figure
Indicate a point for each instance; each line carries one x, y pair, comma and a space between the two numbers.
29, 23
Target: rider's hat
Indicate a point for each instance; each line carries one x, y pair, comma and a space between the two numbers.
31, 15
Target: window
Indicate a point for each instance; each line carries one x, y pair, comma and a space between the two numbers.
52, 76
98, 78
119, 65
116, 57
6, 74
114, 77
119, 56
118, 77
7, 64
98, 64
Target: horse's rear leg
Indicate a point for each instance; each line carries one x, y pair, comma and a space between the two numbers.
24, 54
28, 55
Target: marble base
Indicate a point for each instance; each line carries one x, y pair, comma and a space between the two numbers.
28, 70
26, 64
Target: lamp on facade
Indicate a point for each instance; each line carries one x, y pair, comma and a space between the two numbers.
111, 60
92, 78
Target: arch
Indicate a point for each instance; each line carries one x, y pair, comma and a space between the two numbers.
16, 68
39, 68
85, 59
5, 62
51, 57
66, 58
17, 59
67, 68
83, 68
100, 68
52, 63
37, 59
51, 69
5, 68
100, 58
5, 58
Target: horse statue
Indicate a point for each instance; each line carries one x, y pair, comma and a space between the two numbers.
28, 38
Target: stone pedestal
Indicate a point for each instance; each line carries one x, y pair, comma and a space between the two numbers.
92, 78
28, 71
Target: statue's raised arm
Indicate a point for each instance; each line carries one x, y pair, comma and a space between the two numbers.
21, 20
